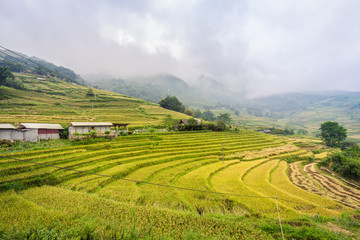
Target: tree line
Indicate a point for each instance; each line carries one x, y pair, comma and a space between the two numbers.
173, 103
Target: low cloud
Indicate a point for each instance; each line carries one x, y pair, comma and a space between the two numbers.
260, 47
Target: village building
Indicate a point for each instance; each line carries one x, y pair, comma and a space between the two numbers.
6, 131
266, 131
186, 121
33, 132
87, 127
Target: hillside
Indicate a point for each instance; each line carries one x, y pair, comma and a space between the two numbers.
53, 100
204, 92
292, 110
310, 110
19, 62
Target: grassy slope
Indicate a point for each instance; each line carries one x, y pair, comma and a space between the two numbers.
56, 101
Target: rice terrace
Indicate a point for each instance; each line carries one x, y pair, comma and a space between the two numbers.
104, 186
182, 183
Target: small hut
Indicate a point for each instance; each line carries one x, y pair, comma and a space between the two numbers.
6, 131
86, 127
37, 131
186, 121
266, 131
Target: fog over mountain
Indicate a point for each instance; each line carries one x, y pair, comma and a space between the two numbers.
259, 47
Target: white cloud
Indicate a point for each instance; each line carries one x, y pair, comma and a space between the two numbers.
265, 46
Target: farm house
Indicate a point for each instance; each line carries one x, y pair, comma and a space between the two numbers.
37, 131
6, 131
86, 127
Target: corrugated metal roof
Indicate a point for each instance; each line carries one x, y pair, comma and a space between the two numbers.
90, 124
6, 126
40, 126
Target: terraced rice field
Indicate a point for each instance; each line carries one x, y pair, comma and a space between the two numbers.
56, 101
252, 173
309, 178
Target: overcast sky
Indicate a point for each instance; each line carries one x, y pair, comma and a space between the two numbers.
262, 46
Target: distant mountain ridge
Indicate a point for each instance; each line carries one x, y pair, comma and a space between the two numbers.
205, 92
18, 62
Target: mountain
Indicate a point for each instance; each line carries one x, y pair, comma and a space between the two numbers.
18, 62
206, 92
309, 110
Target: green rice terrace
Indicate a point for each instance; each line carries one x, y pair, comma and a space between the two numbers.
55, 101
175, 186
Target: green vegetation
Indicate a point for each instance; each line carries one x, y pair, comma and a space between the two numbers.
346, 163
44, 201
332, 133
8, 79
18, 62
172, 103
55, 101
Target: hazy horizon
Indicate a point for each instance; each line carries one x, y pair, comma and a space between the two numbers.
258, 47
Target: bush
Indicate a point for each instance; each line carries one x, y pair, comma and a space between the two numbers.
172, 103
64, 133
220, 126
346, 163
210, 126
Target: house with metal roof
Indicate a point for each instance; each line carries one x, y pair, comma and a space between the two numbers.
6, 131
40, 131
87, 127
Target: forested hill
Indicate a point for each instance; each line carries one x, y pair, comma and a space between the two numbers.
18, 62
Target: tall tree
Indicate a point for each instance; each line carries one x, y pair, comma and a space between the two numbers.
5, 75
224, 117
332, 133
172, 103
208, 116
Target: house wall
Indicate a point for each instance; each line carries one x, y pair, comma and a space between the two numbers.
5, 134
86, 129
31, 135
45, 134
17, 135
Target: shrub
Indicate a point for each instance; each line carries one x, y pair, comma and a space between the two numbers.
220, 126
346, 163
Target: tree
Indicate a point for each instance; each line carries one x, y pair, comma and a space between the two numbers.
172, 103
170, 122
208, 116
197, 113
189, 112
90, 93
224, 117
302, 132
237, 112
8, 79
332, 133
220, 126
5, 75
